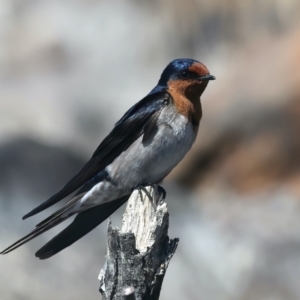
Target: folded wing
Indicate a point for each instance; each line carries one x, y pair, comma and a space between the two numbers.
130, 127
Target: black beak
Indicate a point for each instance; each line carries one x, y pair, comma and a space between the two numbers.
207, 77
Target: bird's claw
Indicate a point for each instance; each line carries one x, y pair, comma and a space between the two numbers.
159, 191
143, 188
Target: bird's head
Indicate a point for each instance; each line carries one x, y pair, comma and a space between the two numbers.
186, 76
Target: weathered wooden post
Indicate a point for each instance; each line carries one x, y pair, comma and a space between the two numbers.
138, 255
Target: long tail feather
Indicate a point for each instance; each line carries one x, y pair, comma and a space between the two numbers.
82, 224
70, 187
45, 225
62, 210
36, 232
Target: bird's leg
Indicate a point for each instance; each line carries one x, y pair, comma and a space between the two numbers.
159, 190
141, 188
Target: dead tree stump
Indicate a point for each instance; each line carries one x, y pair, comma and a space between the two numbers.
138, 255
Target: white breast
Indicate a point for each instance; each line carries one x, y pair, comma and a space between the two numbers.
151, 162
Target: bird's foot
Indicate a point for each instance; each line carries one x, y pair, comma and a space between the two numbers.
159, 191
141, 188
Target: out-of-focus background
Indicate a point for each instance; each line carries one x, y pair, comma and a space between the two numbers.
70, 69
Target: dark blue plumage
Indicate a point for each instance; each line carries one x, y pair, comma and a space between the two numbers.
173, 70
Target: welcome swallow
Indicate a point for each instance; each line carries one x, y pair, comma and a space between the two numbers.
143, 147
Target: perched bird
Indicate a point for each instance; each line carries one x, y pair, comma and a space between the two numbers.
144, 146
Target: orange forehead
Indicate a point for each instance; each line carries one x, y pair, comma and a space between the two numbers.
199, 69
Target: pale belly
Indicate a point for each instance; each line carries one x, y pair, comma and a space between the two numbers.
145, 163
151, 162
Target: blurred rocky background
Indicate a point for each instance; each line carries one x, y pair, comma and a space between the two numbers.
70, 69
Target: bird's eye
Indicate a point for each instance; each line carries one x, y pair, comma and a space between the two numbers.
184, 74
